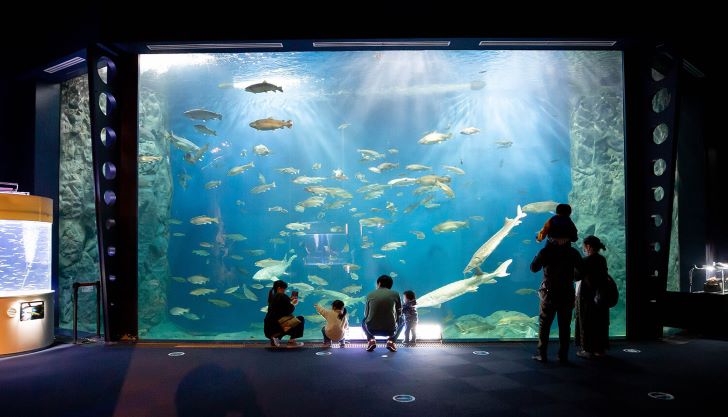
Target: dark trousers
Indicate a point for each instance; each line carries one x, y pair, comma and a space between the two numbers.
546, 316
392, 333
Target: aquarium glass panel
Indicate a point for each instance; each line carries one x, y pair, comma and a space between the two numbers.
329, 169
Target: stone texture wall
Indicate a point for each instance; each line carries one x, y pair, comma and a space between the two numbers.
155, 199
597, 196
78, 255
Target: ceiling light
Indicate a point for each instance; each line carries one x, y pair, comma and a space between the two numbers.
379, 44
65, 64
193, 46
548, 43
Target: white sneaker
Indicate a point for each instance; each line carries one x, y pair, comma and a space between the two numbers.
274, 341
295, 343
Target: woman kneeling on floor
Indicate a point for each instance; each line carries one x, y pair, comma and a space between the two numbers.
279, 320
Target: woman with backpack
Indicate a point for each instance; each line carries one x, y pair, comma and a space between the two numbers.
592, 316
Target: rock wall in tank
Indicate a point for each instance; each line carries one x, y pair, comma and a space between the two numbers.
597, 174
155, 197
78, 257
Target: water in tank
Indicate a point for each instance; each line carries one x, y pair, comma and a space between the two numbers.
328, 169
25, 256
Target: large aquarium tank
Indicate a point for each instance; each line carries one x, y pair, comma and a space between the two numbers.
329, 169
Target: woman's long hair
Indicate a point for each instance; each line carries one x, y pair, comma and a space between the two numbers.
274, 290
339, 305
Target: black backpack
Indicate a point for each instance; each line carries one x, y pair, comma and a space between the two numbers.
607, 294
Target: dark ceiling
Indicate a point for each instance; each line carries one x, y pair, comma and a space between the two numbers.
62, 29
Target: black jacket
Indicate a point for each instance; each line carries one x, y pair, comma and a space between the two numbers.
559, 264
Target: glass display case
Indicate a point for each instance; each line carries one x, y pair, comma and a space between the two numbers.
709, 278
26, 298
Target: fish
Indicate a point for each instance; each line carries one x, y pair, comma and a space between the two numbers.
263, 87
469, 131
201, 252
417, 167
270, 124
298, 226
454, 169
262, 188
434, 137
373, 222
202, 114
264, 263
315, 166
351, 289
541, 207
181, 143
212, 184
240, 169
191, 316
317, 280
504, 143
344, 126
202, 291
301, 286
206, 244
250, 295
149, 158
449, 226
205, 130
261, 150
526, 291
477, 218
393, 246
231, 289
378, 256
259, 286
455, 289
236, 237
489, 246
288, 170
370, 155
178, 234
179, 279
273, 272
198, 279
178, 311
219, 303
314, 318
237, 257
418, 234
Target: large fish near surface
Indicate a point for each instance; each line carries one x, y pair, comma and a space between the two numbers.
488, 247
273, 272
270, 124
263, 87
434, 137
458, 288
202, 114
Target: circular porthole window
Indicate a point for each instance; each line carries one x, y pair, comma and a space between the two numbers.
659, 134
107, 136
659, 167
658, 192
661, 100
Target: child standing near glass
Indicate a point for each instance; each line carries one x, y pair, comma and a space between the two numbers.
409, 309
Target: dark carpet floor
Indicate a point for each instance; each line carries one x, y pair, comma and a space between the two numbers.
448, 380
